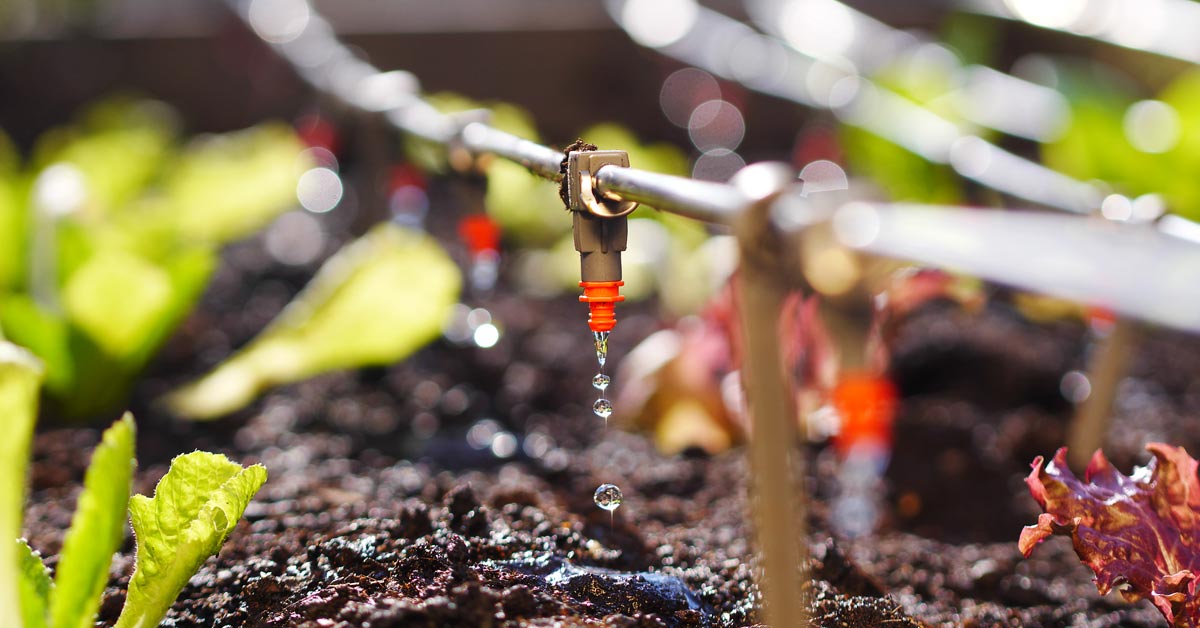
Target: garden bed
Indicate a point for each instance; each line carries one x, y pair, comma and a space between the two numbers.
379, 513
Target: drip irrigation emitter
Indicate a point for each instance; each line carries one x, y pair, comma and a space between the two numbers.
601, 232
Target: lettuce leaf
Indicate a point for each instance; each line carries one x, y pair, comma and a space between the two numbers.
35, 586
194, 508
1138, 533
375, 302
97, 529
20, 377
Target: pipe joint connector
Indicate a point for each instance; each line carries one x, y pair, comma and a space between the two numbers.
582, 167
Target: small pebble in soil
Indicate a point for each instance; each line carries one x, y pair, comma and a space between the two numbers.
608, 497
603, 408
600, 381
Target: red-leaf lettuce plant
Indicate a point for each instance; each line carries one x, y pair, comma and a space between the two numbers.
1138, 533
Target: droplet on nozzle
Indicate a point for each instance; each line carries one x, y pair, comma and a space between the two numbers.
601, 338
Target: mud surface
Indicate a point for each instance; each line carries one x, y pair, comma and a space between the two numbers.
379, 512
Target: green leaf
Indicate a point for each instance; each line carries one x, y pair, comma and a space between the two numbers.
901, 174
111, 339
20, 377
43, 332
226, 187
375, 302
14, 231
35, 586
194, 508
97, 529
115, 298
119, 146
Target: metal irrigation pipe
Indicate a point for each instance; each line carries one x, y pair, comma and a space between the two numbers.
983, 96
1162, 27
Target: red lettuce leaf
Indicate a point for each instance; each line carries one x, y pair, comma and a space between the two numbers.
1138, 533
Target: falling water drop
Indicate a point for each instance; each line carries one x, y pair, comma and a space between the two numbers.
601, 338
600, 381
603, 408
608, 497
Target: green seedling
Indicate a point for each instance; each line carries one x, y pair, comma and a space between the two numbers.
20, 377
375, 302
194, 508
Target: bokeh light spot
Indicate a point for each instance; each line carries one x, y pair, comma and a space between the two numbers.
718, 164
279, 21
1152, 126
1048, 13
319, 190
683, 91
658, 23
295, 238
716, 124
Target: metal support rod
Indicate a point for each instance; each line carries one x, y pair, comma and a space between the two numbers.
1089, 428
778, 517
775, 459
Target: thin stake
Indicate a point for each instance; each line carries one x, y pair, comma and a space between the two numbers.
1089, 428
773, 452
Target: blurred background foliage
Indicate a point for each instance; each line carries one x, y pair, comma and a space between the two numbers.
112, 229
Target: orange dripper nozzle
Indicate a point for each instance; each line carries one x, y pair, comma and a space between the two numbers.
602, 298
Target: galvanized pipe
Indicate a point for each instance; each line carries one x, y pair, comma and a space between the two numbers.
705, 201
540, 160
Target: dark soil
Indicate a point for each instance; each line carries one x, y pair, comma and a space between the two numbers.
379, 513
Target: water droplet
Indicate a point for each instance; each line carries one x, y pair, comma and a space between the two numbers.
601, 338
600, 381
603, 408
608, 497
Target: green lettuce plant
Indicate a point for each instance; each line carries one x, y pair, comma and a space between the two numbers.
378, 300
1098, 145
110, 234
194, 508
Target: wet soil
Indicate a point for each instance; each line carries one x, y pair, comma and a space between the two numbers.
380, 512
